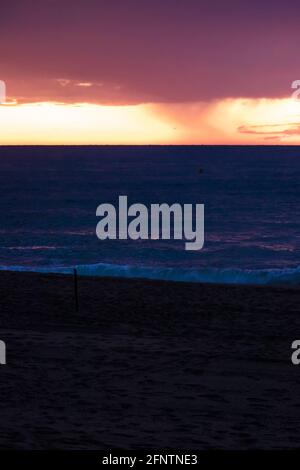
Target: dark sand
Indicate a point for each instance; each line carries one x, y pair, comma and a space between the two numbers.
147, 365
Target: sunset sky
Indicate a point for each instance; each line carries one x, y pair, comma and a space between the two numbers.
147, 72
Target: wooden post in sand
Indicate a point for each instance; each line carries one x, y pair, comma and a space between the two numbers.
76, 290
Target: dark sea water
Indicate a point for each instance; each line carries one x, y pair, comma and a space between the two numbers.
49, 197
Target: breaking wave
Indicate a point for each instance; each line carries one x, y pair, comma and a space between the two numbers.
290, 276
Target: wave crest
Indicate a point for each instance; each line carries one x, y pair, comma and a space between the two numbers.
290, 276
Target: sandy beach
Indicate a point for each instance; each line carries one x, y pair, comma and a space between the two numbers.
147, 364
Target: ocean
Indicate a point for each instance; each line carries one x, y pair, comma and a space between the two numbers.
49, 197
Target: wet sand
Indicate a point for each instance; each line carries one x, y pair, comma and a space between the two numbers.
147, 364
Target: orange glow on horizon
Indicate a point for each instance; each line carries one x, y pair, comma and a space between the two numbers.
229, 121
53, 123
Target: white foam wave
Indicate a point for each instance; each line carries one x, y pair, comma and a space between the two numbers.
289, 276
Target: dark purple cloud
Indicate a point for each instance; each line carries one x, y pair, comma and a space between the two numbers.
133, 51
